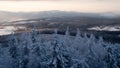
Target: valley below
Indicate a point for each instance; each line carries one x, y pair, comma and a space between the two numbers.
97, 24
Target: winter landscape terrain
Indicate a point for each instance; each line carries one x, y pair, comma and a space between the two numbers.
59, 39
35, 50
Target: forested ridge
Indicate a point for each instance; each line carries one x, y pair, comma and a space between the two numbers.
31, 50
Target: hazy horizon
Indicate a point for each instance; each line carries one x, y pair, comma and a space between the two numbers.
89, 6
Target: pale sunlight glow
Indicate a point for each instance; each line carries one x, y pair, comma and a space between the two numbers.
78, 5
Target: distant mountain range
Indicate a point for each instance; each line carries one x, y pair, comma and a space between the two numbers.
6, 16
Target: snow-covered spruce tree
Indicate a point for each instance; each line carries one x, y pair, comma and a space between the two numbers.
95, 55
36, 50
5, 58
67, 40
111, 56
24, 49
97, 45
117, 55
0, 49
100, 51
91, 56
78, 52
79, 45
13, 50
76, 46
60, 59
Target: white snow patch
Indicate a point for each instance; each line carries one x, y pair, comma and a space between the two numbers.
32, 21
24, 22
5, 30
105, 28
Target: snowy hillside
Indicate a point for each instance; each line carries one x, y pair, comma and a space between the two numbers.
33, 50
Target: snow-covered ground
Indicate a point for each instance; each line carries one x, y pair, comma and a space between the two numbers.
24, 22
105, 28
5, 30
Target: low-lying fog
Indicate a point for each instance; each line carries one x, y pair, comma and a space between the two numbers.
5, 30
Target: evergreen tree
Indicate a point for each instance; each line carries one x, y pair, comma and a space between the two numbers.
59, 58
66, 40
13, 50
24, 50
111, 57
36, 49
6, 61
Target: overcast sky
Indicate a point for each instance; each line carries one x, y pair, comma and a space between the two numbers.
64, 5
